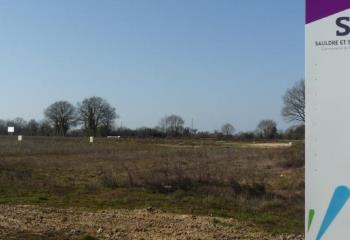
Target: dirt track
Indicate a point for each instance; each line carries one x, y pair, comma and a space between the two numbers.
18, 222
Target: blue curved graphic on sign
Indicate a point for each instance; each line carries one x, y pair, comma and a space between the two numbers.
340, 197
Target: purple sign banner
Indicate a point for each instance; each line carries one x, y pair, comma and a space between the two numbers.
318, 9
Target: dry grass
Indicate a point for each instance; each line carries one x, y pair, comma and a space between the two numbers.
260, 185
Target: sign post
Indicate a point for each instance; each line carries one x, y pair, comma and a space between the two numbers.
327, 119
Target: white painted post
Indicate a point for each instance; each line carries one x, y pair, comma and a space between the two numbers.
20, 138
91, 139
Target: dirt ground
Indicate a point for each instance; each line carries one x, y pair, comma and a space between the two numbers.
269, 145
34, 222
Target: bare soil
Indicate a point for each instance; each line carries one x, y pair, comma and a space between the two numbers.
35, 222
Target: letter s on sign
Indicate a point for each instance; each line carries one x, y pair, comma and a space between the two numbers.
346, 28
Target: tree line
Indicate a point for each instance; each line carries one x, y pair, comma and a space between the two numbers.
94, 116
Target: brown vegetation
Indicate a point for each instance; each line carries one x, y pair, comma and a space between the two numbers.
263, 186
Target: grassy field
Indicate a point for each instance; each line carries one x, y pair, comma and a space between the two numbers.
258, 184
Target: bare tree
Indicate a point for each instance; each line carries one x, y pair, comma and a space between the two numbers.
32, 127
267, 129
163, 124
294, 103
172, 124
96, 113
228, 129
62, 115
45, 128
3, 127
108, 119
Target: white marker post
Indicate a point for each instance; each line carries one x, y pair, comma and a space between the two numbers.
327, 119
20, 138
91, 139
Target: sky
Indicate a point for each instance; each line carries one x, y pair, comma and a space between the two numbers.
213, 61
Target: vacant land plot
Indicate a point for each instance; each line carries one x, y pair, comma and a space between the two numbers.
51, 223
217, 181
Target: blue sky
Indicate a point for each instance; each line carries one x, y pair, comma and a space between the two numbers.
207, 60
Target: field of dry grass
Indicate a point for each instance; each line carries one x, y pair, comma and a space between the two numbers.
262, 185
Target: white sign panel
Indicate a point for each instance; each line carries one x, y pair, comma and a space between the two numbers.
10, 129
327, 119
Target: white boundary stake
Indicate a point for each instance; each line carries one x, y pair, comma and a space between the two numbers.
91, 139
327, 119
20, 138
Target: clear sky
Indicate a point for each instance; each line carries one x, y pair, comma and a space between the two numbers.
215, 61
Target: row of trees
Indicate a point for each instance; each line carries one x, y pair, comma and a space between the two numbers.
266, 129
174, 126
292, 111
95, 116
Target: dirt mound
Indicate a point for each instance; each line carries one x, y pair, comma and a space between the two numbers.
33, 222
